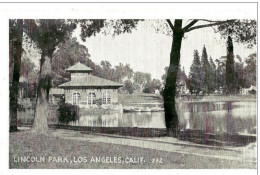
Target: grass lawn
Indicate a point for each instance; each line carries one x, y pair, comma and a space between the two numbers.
33, 145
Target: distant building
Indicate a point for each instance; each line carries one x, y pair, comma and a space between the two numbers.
87, 90
183, 91
183, 88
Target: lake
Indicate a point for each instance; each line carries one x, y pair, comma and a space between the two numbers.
209, 117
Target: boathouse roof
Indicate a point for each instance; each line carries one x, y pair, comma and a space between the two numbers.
87, 80
79, 67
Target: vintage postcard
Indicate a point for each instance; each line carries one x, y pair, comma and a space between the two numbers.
133, 93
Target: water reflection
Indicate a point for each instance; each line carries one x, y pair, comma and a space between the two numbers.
220, 117
209, 117
138, 119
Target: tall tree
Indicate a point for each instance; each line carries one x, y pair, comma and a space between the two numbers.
47, 34
15, 53
194, 75
212, 75
230, 69
205, 72
220, 74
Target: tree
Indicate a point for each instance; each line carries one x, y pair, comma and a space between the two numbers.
250, 71
148, 88
128, 86
107, 70
220, 74
230, 69
15, 53
122, 72
205, 72
139, 78
212, 75
239, 72
194, 75
156, 84
47, 34
30, 73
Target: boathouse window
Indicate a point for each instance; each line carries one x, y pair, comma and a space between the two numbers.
106, 99
76, 98
91, 98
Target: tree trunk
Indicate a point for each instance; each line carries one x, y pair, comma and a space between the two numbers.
40, 124
15, 46
171, 117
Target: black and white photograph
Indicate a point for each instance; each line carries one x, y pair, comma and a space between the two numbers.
132, 93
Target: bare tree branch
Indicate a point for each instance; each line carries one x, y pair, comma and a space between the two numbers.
190, 24
209, 25
207, 20
170, 23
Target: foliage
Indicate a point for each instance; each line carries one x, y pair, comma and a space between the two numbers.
142, 79
205, 71
156, 84
230, 69
194, 75
244, 74
90, 27
67, 112
250, 71
148, 88
99, 101
47, 34
212, 76
151, 86
128, 86
243, 31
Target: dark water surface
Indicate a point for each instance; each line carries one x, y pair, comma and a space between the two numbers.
209, 117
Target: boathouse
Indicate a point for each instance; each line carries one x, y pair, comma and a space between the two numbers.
87, 90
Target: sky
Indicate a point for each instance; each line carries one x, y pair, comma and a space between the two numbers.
149, 51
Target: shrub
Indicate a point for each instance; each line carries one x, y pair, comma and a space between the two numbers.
99, 101
67, 112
